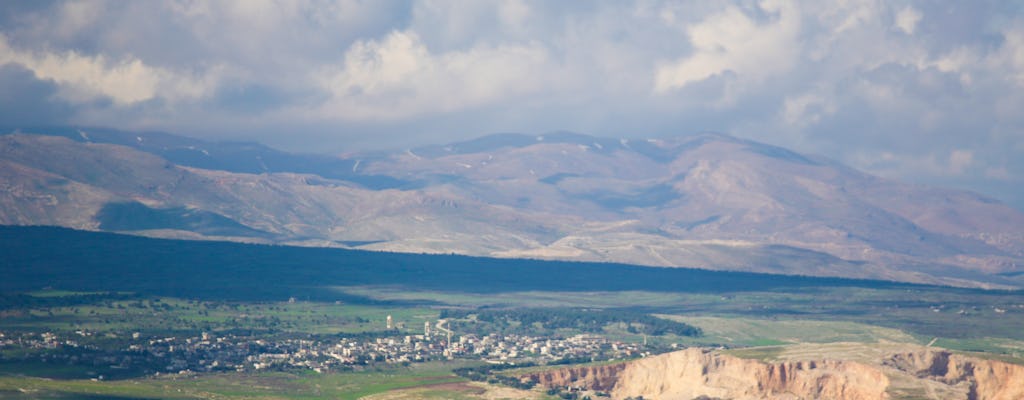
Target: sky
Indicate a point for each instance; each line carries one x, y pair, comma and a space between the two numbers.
928, 92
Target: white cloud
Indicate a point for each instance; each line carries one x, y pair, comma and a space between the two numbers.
78, 16
845, 16
956, 164
1009, 59
959, 161
514, 13
807, 108
907, 19
399, 77
732, 41
127, 80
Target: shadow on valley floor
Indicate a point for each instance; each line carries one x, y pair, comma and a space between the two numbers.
37, 257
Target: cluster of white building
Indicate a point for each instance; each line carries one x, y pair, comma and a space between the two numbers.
209, 352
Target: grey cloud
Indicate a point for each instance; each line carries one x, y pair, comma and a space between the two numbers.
26, 101
846, 80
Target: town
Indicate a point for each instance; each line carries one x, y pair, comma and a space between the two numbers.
228, 351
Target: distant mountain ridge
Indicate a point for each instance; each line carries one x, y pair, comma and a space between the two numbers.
242, 157
709, 201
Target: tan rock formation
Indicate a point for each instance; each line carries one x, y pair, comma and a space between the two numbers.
985, 379
602, 378
692, 373
920, 373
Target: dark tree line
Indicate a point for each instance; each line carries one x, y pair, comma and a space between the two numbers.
20, 300
591, 321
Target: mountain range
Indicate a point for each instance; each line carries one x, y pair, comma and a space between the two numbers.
707, 201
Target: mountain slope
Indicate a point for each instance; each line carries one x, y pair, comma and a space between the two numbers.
683, 198
709, 201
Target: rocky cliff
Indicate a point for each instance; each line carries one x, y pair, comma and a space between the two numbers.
983, 379
692, 373
602, 378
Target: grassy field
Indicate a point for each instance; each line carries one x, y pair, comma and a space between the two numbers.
923, 313
745, 331
169, 315
460, 391
848, 351
529, 299
1001, 348
351, 385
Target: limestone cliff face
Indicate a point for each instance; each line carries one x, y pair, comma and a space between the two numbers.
692, 373
985, 379
601, 378
688, 374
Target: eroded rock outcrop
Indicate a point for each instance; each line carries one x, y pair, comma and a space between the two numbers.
985, 379
921, 373
692, 373
603, 378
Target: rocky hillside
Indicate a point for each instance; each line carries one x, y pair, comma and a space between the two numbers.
692, 373
707, 201
980, 379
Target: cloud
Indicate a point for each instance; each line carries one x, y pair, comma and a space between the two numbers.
921, 91
82, 78
26, 100
1009, 59
399, 77
734, 42
960, 160
807, 108
998, 173
956, 164
907, 19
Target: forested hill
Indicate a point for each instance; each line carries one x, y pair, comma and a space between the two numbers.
60, 258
